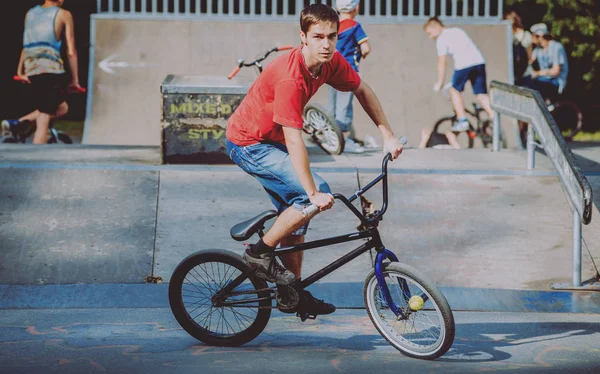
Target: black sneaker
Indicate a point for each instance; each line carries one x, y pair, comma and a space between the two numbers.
267, 267
313, 306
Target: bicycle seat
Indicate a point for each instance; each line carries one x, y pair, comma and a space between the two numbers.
246, 229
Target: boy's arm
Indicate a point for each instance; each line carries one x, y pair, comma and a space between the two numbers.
71, 50
20, 68
441, 73
299, 158
368, 100
365, 48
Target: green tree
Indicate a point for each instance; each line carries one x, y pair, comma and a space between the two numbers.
576, 24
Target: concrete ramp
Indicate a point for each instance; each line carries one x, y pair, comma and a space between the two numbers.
466, 218
131, 57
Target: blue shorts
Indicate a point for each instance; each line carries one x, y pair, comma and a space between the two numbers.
475, 74
270, 164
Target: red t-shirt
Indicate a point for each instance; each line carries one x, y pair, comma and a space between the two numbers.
279, 94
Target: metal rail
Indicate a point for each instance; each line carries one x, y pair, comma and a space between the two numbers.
527, 105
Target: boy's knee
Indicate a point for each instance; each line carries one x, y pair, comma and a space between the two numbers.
63, 109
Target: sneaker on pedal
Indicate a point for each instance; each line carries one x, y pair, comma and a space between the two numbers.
311, 305
353, 147
267, 267
461, 126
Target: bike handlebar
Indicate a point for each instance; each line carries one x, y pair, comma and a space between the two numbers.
234, 72
70, 89
348, 201
256, 62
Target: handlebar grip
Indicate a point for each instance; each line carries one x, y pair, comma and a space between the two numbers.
234, 72
309, 210
16, 78
285, 47
76, 90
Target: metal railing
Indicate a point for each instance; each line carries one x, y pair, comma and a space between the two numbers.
527, 105
380, 9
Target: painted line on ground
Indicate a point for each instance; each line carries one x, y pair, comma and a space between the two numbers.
230, 168
343, 295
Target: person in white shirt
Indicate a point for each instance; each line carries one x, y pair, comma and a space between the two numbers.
469, 65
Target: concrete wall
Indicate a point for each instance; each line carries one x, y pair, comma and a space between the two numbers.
137, 55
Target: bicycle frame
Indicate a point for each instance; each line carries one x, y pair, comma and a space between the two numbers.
371, 233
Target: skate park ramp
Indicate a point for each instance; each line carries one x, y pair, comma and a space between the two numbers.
130, 58
471, 220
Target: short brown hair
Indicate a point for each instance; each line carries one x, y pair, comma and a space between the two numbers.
317, 13
433, 20
515, 18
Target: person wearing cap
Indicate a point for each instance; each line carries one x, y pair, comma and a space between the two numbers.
353, 45
469, 66
550, 79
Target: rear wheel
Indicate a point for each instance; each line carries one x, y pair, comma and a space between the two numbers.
62, 139
443, 125
323, 129
206, 312
425, 327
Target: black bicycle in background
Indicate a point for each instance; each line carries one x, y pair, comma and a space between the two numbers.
220, 301
318, 123
479, 125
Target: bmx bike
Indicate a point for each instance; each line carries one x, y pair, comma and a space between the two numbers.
218, 299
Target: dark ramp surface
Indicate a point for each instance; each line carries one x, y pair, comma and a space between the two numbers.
70, 226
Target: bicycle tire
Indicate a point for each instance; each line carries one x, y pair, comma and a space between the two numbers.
445, 124
62, 137
8, 139
487, 135
323, 129
435, 305
224, 266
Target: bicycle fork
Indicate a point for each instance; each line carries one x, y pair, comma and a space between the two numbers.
383, 287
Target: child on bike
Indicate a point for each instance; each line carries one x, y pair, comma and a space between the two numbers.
264, 138
353, 45
469, 65
41, 65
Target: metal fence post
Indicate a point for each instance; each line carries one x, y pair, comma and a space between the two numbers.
496, 133
530, 147
576, 249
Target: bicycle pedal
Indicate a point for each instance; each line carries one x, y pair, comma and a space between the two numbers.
304, 316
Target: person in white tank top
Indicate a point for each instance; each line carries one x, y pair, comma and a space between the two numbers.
41, 65
469, 65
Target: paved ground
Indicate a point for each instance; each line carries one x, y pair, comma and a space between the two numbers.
82, 226
150, 341
115, 215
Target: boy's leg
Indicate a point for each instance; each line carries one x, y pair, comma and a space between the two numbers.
47, 94
479, 83
458, 103
484, 100
293, 261
41, 132
425, 134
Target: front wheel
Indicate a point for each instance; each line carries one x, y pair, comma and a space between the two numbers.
229, 317
323, 129
424, 327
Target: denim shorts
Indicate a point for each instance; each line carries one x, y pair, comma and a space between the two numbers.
475, 74
270, 164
